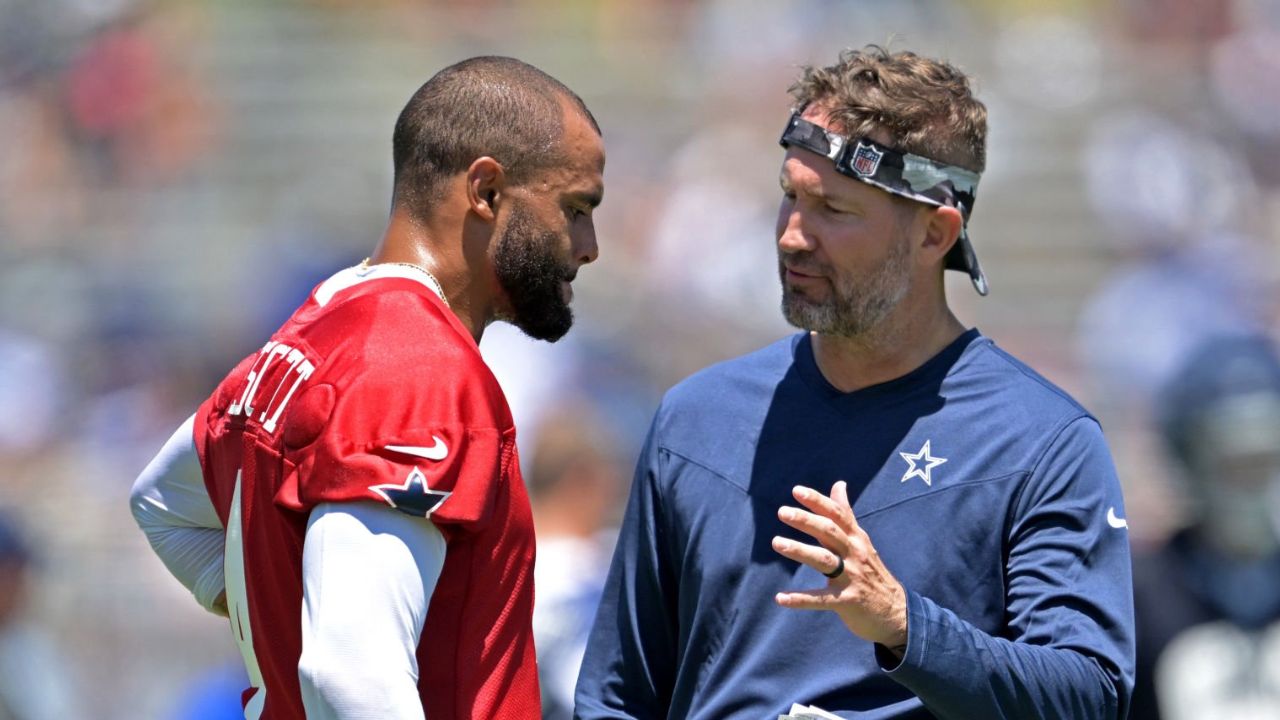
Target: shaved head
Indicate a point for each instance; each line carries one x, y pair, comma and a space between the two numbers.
498, 107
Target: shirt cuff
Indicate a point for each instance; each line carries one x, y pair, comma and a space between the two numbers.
917, 641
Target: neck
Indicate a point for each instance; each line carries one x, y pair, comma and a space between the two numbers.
431, 246
902, 342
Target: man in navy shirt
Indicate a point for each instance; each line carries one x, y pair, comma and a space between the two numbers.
957, 516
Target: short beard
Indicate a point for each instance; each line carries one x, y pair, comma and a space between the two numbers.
856, 306
530, 273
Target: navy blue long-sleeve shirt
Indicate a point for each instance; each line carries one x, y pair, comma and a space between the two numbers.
988, 492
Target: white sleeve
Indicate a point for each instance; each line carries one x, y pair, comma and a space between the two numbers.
172, 507
368, 572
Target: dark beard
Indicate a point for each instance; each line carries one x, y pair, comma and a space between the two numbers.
854, 308
530, 273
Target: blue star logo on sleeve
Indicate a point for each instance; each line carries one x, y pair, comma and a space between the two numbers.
412, 496
921, 464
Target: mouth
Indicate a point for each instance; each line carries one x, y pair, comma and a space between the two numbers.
794, 275
566, 290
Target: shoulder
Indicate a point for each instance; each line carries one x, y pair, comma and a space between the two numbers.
730, 379
392, 344
1015, 389
1012, 420
715, 414
398, 317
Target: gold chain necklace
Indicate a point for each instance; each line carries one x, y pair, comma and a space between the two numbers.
431, 279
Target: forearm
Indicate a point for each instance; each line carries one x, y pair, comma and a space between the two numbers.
195, 557
961, 672
172, 508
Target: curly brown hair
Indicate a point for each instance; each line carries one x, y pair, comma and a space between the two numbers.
925, 106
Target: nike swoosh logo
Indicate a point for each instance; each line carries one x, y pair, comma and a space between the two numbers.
1113, 521
439, 451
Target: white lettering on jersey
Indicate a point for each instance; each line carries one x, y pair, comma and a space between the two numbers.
252, 381
304, 372
288, 380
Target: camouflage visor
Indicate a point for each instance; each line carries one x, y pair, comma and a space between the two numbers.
910, 176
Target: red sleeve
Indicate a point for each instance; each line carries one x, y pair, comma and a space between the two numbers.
413, 419
219, 461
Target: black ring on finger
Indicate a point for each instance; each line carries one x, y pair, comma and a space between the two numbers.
838, 571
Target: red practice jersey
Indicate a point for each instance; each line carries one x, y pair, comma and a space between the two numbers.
373, 391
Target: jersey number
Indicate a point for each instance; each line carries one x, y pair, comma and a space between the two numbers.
238, 604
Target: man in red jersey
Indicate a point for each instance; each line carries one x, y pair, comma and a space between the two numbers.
350, 495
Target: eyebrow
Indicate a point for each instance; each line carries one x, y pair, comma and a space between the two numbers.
785, 184
818, 193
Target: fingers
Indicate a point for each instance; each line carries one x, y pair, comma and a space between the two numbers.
822, 529
821, 599
820, 559
840, 495
837, 507
818, 503
830, 521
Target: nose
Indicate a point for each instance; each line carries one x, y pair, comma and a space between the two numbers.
586, 249
792, 237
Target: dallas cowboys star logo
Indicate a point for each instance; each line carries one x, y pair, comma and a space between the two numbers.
923, 472
412, 496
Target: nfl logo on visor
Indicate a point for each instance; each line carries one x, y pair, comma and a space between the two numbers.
866, 160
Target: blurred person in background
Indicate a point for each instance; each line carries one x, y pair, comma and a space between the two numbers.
986, 572
373, 546
34, 679
575, 484
1208, 600
1185, 265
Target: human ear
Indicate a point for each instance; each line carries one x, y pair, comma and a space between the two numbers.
486, 187
945, 224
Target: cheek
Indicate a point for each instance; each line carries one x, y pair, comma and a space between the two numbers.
849, 248
558, 244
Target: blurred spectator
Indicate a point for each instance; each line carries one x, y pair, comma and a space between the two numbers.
34, 681
137, 110
31, 394
575, 484
1208, 601
719, 261
1050, 61
1188, 22
1177, 205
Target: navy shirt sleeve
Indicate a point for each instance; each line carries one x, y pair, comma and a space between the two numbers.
629, 666
1068, 646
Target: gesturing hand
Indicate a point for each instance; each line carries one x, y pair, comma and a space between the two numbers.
869, 600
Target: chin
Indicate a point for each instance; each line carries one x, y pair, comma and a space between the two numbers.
545, 332
545, 321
